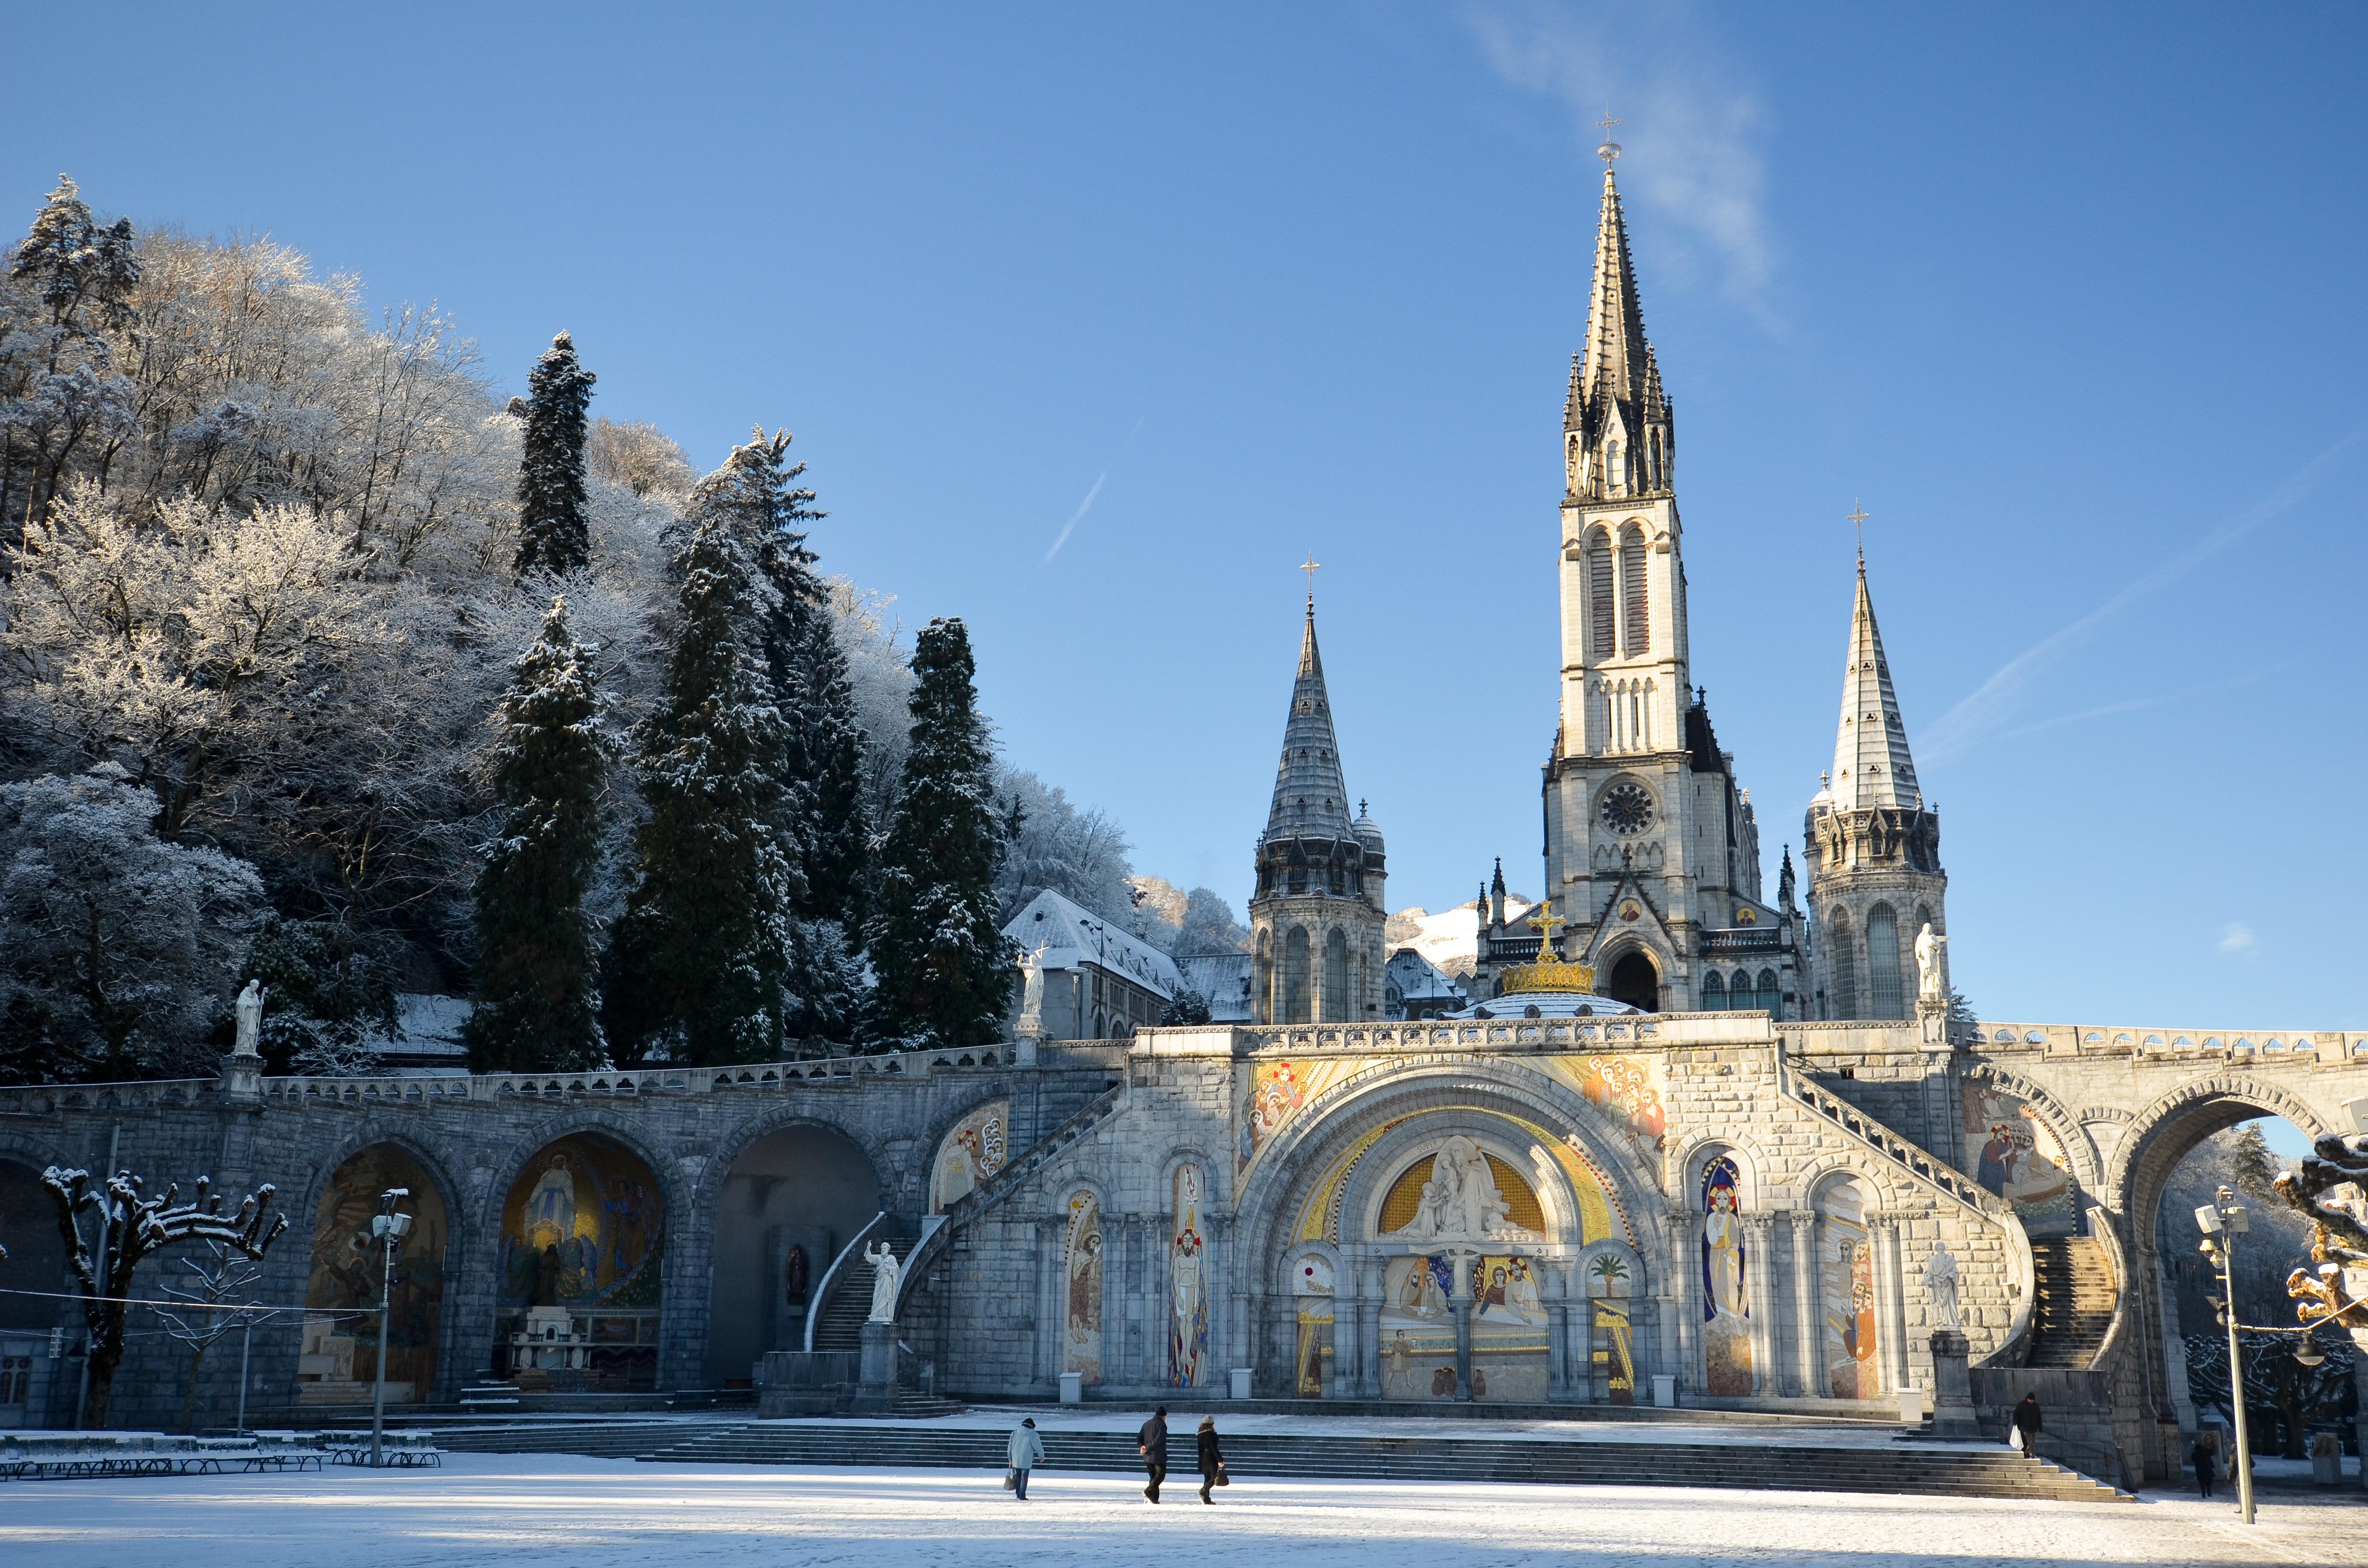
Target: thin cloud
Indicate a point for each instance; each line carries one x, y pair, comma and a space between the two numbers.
1691, 132
1091, 497
2140, 704
1977, 717
2236, 938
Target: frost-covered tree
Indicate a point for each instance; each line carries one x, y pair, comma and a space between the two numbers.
943, 964
119, 946
697, 964
537, 996
1209, 925
324, 998
639, 455
1049, 842
880, 679
553, 535
62, 402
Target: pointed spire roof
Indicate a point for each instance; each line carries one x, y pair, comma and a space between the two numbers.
1310, 800
1617, 364
1872, 766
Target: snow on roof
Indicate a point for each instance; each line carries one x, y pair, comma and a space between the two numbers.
1072, 935
1225, 980
1419, 980
430, 1026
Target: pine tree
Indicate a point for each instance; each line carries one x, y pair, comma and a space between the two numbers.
944, 967
701, 956
2256, 1168
553, 533
538, 992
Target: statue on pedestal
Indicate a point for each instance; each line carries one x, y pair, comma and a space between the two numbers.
886, 1274
1031, 995
1931, 967
250, 1018
1941, 1284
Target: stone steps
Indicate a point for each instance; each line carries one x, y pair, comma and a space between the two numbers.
1907, 1468
2073, 1302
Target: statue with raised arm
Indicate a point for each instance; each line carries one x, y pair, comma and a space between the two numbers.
250, 1018
1931, 965
1941, 1284
886, 1273
1032, 992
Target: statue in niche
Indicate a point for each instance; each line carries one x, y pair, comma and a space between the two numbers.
796, 1277
1941, 1285
1461, 1198
546, 1278
886, 1273
1931, 966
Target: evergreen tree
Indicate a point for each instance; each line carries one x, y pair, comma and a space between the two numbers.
553, 533
538, 992
944, 967
701, 958
2255, 1166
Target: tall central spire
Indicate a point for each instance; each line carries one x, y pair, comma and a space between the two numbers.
1872, 766
1310, 800
1617, 359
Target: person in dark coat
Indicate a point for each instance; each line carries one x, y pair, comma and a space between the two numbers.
2026, 1425
2205, 1461
1153, 1447
1213, 1463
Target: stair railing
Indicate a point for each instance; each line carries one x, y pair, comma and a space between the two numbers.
821, 1298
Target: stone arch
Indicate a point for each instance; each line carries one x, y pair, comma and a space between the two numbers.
1635, 974
338, 1360
589, 1229
1688, 1155
29, 1228
1392, 1156
2061, 1120
1826, 1166
1297, 977
793, 1192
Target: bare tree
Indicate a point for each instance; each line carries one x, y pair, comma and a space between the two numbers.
214, 1283
639, 455
2340, 1240
130, 1229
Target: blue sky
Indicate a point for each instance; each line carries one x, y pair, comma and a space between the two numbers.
2067, 297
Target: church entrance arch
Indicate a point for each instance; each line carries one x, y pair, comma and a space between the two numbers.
1635, 981
581, 1257
338, 1363
792, 1200
37, 1261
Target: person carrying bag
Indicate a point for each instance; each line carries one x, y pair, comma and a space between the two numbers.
1027, 1453
1213, 1463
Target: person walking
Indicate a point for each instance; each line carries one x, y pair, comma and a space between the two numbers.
1153, 1446
1027, 1453
2026, 1425
1213, 1463
2203, 1462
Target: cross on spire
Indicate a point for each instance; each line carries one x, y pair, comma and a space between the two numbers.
1610, 149
1857, 519
1311, 566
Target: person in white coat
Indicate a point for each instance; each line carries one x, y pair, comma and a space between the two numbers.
1027, 1453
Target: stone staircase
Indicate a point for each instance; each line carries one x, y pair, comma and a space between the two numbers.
2072, 1308
1910, 1468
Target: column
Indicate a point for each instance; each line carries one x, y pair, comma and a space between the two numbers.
1684, 1295
1367, 1272
1808, 1294
1556, 1281
1884, 1226
1052, 1304
1460, 1304
1760, 1290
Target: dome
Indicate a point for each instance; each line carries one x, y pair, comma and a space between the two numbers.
1548, 1005
1368, 831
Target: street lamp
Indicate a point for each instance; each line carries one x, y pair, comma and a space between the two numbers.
2222, 1220
388, 1228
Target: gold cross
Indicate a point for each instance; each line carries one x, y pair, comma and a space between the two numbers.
1857, 519
1311, 566
1546, 923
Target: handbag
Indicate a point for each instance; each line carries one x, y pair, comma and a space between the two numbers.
1222, 1479
1011, 1480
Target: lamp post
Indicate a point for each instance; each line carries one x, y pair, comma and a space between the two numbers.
389, 1228
2222, 1220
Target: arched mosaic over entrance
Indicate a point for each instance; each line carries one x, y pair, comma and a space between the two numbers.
339, 1360
583, 1245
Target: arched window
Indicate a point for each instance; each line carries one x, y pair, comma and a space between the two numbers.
1294, 977
1613, 474
1336, 978
1843, 1002
1638, 618
1882, 963
1636, 981
1772, 994
1263, 985
1602, 613
1714, 992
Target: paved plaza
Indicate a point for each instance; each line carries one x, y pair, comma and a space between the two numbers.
584, 1513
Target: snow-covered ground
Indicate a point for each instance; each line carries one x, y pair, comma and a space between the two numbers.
584, 1513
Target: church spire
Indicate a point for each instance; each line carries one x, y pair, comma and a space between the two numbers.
1872, 766
1614, 364
1619, 437
1310, 800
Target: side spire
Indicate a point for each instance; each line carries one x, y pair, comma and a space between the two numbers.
1310, 799
1871, 765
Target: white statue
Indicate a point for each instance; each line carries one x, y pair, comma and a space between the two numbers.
250, 1018
1940, 1283
1461, 1199
1032, 992
886, 1272
1931, 966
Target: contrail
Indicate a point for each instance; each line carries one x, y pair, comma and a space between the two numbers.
1091, 497
1975, 716
2140, 704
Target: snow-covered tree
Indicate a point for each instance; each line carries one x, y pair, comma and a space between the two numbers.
553, 533
944, 966
1049, 842
639, 455
538, 1000
1209, 926
697, 964
880, 679
119, 946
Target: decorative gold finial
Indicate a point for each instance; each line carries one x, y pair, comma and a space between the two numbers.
1857, 519
1311, 566
1610, 150
1546, 922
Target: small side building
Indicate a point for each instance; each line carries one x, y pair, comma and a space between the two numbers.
1100, 982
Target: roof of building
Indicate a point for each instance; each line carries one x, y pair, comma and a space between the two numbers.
1548, 1004
1225, 980
1072, 935
1419, 980
1872, 766
1310, 800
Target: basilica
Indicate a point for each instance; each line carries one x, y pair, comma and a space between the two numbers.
1687, 1145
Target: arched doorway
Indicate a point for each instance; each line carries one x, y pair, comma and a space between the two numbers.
581, 1288
36, 1261
338, 1361
792, 1200
1635, 981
